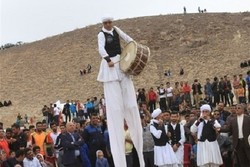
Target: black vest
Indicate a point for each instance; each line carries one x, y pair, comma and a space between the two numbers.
175, 134
162, 141
208, 132
112, 44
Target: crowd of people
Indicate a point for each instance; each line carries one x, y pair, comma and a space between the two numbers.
77, 134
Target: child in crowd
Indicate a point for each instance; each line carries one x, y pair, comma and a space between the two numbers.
101, 161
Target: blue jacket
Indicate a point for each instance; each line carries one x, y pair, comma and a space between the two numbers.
72, 108
84, 152
101, 162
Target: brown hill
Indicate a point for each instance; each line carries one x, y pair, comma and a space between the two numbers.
205, 45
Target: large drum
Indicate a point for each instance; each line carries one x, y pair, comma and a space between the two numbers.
134, 58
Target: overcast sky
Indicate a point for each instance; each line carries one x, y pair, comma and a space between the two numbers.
31, 20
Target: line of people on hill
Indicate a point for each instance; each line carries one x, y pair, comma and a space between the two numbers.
182, 94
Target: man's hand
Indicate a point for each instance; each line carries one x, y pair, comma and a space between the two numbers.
175, 148
111, 64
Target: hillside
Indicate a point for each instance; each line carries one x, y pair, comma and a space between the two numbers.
204, 45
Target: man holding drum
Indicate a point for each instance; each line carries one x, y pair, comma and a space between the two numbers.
119, 93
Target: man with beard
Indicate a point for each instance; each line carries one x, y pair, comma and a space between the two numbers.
19, 139
224, 113
38, 138
177, 137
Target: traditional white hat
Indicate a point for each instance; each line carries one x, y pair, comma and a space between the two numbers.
156, 113
107, 18
205, 107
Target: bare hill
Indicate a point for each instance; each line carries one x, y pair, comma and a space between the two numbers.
205, 45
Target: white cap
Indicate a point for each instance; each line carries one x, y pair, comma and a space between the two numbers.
156, 113
107, 18
205, 107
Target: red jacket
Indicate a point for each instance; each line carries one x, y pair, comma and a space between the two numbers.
152, 96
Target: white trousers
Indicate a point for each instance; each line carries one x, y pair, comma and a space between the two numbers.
121, 104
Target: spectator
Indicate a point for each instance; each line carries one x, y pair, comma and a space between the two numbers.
4, 144
19, 139
196, 92
56, 114
162, 95
38, 138
101, 161
243, 83
169, 93
152, 96
30, 160
43, 162
93, 136
182, 71
248, 85
216, 92
17, 160
66, 111
73, 109
236, 84
71, 143
241, 94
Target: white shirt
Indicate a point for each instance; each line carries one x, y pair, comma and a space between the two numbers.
240, 125
169, 92
183, 138
31, 163
199, 128
161, 90
154, 131
102, 40
56, 111
54, 136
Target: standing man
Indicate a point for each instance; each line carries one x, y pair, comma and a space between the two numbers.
240, 129
39, 138
248, 85
119, 93
208, 151
71, 143
164, 155
162, 95
177, 137
94, 138
152, 96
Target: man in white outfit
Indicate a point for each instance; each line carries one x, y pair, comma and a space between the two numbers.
119, 93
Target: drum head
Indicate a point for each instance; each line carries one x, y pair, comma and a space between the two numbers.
128, 56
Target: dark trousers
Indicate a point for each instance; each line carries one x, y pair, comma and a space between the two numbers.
68, 116
216, 99
222, 97
163, 104
227, 98
243, 154
152, 105
56, 119
76, 164
170, 102
129, 159
149, 159
248, 94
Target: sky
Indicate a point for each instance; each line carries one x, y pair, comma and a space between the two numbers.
32, 20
